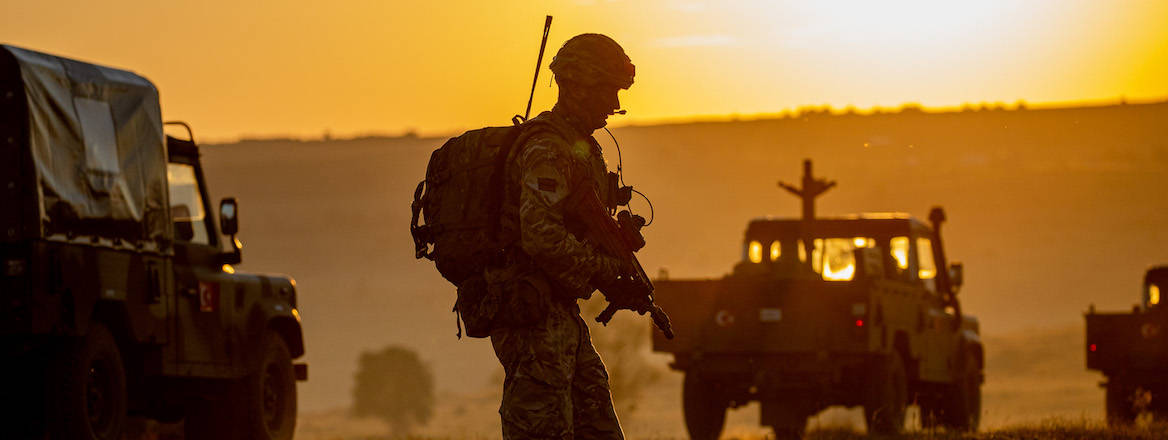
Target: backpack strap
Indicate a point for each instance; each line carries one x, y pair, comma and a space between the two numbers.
422, 234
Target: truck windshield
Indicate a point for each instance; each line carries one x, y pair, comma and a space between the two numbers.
186, 204
835, 258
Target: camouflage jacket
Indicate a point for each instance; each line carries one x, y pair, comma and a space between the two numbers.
550, 161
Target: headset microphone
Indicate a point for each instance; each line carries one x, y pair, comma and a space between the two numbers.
620, 112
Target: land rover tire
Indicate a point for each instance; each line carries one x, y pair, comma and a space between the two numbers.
261, 406
887, 396
704, 407
269, 393
963, 405
87, 398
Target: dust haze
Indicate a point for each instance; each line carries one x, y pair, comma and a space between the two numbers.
1050, 210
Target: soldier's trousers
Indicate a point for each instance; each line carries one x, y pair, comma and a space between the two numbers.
556, 386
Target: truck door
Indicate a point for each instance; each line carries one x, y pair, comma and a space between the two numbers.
199, 277
938, 325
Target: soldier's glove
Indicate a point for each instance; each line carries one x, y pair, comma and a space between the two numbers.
626, 294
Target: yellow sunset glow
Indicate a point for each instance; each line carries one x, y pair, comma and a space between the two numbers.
304, 68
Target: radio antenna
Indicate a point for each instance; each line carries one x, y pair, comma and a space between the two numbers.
547, 25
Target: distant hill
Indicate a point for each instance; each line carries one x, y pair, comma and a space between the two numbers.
1050, 210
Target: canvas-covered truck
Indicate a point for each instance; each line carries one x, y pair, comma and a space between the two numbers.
117, 292
1131, 350
849, 311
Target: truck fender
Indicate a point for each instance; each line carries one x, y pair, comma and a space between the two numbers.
279, 315
971, 344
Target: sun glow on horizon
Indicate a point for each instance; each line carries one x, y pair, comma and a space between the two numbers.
366, 66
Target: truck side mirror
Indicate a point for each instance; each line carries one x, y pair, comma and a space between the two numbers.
228, 220
957, 275
229, 224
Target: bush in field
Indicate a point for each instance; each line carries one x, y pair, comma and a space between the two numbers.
396, 386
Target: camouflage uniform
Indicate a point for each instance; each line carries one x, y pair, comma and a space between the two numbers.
556, 385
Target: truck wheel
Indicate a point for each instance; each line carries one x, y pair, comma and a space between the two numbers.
963, 408
261, 406
1120, 408
885, 404
704, 407
89, 401
269, 400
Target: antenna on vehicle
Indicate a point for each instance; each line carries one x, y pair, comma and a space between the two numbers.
547, 26
811, 190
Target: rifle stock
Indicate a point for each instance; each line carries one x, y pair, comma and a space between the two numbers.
636, 291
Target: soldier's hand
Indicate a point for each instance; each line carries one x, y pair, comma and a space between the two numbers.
608, 271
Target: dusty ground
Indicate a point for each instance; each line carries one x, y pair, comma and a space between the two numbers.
1032, 378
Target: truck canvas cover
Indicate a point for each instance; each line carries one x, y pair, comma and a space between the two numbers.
95, 140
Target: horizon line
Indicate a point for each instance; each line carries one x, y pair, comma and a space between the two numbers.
825, 110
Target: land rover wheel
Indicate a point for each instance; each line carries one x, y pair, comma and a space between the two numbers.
963, 407
704, 407
269, 401
884, 406
1120, 407
88, 401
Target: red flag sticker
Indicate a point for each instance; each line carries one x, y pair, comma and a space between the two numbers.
208, 296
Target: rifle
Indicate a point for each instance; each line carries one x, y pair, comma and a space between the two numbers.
620, 238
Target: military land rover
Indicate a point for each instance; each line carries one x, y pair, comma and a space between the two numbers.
1131, 350
116, 297
848, 311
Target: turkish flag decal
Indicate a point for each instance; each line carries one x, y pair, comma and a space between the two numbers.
208, 296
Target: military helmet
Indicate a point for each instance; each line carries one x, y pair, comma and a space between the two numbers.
591, 59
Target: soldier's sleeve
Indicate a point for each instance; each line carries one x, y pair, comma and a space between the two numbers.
574, 264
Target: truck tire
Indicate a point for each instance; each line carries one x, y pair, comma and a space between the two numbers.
887, 397
1120, 409
261, 406
704, 408
963, 405
269, 394
88, 399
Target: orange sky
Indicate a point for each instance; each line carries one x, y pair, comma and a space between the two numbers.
298, 67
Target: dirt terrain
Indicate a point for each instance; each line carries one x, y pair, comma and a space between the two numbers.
1050, 210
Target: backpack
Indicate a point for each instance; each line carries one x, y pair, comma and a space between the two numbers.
461, 201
